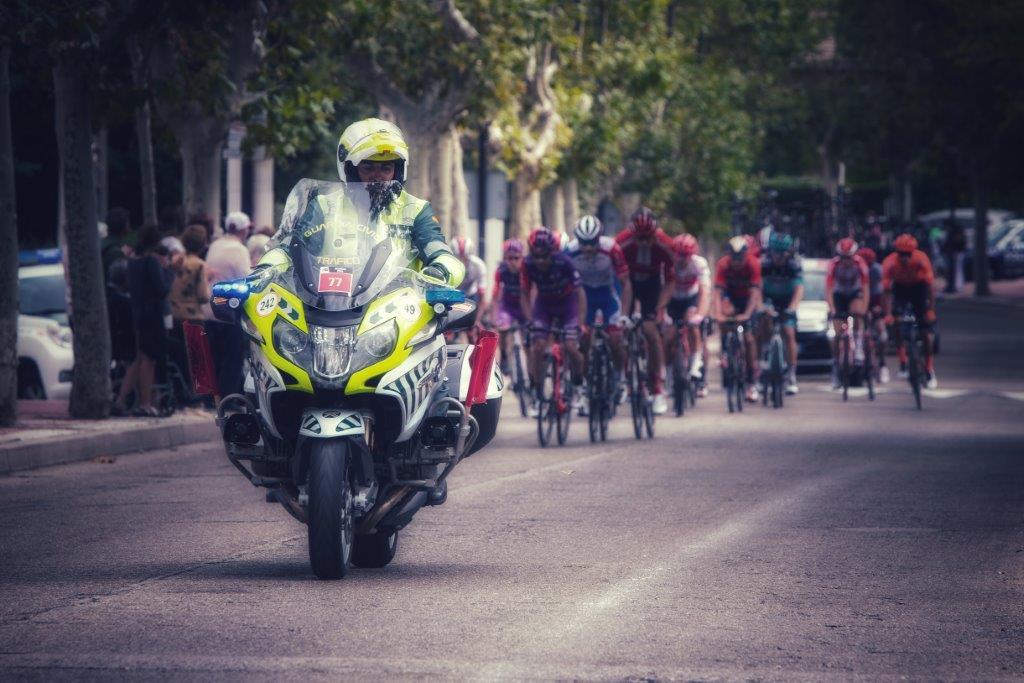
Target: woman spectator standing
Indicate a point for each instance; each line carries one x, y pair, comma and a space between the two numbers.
148, 287
190, 291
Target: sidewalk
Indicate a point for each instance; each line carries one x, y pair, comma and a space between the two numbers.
1004, 293
44, 435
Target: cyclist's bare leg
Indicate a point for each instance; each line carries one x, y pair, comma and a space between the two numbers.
858, 307
618, 348
537, 349
572, 349
789, 334
657, 353
751, 344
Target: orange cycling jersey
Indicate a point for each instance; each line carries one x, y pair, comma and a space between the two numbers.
915, 270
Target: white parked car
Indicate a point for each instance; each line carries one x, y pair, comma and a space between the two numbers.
45, 358
813, 331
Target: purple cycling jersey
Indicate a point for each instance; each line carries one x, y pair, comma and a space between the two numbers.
511, 286
554, 284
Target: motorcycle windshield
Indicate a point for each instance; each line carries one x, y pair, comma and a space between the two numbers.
343, 251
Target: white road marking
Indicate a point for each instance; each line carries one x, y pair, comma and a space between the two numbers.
1013, 395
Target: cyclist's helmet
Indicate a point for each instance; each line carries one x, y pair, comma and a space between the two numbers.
588, 229
846, 248
905, 243
738, 247
780, 242
868, 255
764, 236
513, 247
685, 245
463, 246
542, 241
643, 222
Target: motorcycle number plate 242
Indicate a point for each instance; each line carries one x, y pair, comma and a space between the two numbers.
334, 281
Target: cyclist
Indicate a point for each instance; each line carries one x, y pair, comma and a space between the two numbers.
783, 278
602, 266
846, 292
474, 284
506, 309
551, 295
908, 279
648, 252
738, 292
875, 302
691, 297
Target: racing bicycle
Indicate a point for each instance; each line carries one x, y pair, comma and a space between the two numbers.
734, 364
773, 361
641, 395
554, 402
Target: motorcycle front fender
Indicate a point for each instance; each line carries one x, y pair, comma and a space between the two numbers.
336, 423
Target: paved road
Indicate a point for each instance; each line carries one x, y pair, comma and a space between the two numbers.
865, 540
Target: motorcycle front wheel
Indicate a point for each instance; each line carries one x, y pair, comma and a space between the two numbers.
331, 532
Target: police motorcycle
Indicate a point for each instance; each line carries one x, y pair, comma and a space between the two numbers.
355, 410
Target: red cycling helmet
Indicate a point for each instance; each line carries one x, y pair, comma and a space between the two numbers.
846, 247
685, 245
867, 254
542, 241
644, 222
513, 246
905, 243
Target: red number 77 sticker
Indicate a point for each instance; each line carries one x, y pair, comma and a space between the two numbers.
334, 281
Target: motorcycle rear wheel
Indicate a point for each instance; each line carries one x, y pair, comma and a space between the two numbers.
331, 530
373, 551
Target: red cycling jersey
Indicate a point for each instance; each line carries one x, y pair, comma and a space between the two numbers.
735, 281
648, 261
913, 271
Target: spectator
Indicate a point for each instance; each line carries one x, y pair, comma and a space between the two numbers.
205, 220
228, 259
953, 246
257, 246
114, 246
170, 229
148, 288
190, 292
122, 330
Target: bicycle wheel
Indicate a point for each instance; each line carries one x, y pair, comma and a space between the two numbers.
636, 399
606, 414
914, 367
649, 419
519, 383
546, 409
595, 385
844, 365
869, 365
727, 387
565, 405
777, 363
679, 388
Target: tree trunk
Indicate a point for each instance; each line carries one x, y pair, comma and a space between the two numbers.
552, 207
90, 387
100, 158
571, 198
200, 141
980, 261
8, 254
144, 134
460, 192
262, 188
440, 194
525, 203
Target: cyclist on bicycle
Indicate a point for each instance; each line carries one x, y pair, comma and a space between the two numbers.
783, 277
506, 307
691, 297
474, 285
738, 293
602, 265
875, 309
649, 256
908, 279
846, 290
551, 296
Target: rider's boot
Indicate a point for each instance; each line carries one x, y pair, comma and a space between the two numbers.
438, 495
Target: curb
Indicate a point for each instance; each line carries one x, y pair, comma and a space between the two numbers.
61, 450
982, 302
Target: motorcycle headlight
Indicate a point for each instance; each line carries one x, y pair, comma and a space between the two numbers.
291, 342
375, 344
332, 351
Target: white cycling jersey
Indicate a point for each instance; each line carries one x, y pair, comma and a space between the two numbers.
476, 277
691, 276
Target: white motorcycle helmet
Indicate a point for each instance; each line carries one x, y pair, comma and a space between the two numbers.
371, 140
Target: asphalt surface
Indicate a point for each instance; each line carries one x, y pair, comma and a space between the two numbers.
864, 540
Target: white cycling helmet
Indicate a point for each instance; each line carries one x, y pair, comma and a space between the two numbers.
463, 246
588, 228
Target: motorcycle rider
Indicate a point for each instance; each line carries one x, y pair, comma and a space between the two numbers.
374, 152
